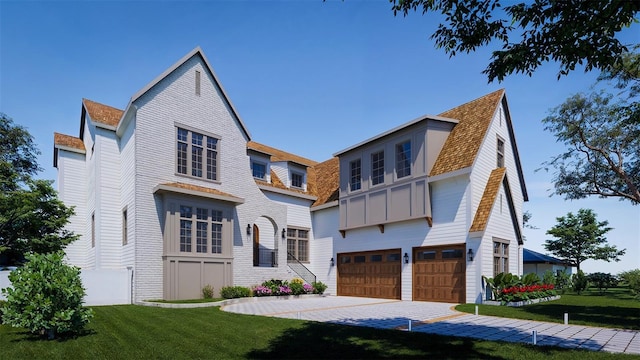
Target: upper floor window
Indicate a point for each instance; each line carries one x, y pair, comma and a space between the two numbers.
200, 229
355, 175
197, 83
500, 256
500, 153
377, 168
403, 159
125, 227
259, 170
197, 154
297, 180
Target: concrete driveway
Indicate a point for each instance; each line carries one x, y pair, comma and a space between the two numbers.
438, 318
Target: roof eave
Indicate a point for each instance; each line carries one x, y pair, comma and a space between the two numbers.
276, 190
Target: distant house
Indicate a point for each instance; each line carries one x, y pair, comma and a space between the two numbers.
174, 189
537, 263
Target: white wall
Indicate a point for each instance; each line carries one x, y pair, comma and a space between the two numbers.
72, 190
103, 287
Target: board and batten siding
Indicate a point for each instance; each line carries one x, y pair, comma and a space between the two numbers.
72, 190
170, 103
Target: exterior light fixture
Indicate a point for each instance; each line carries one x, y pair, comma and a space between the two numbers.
406, 258
248, 229
332, 262
470, 254
284, 233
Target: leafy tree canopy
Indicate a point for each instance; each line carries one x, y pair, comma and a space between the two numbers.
572, 32
580, 237
32, 218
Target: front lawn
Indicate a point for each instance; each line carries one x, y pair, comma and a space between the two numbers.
617, 308
140, 332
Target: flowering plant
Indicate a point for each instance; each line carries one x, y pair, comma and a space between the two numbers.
262, 291
308, 289
526, 292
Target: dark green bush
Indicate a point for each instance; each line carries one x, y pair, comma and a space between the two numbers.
579, 282
234, 292
45, 296
549, 278
319, 287
602, 281
631, 279
530, 279
563, 281
2, 304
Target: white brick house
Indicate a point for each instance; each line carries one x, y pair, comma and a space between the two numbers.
174, 188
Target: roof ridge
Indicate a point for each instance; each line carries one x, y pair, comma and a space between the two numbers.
307, 161
101, 104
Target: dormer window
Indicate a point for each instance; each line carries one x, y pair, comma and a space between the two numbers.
259, 170
297, 180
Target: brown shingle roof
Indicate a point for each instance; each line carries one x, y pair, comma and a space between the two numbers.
462, 145
327, 181
67, 141
279, 155
488, 199
203, 189
101, 113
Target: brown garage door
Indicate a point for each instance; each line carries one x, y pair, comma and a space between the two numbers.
373, 274
439, 273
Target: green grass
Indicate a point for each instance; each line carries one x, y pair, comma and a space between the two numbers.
190, 301
616, 308
140, 332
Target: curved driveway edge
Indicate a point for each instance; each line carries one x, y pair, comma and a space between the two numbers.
442, 319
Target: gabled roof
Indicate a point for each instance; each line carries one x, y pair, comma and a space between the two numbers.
276, 185
195, 190
464, 141
483, 213
532, 257
195, 52
276, 155
66, 142
103, 114
327, 176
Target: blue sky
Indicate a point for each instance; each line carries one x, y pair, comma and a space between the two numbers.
309, 77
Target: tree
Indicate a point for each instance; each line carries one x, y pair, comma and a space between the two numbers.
32, 218
572, 32
46, 297
580, 237
603, 147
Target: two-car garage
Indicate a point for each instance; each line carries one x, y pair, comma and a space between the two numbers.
438, 273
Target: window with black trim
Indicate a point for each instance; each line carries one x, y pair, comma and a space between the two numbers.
377, 168
200, 230
124, 227
93, 229
500, 153
197, 154
355, 175
259, 170
403, 159
500, 256
297, 180
298, 243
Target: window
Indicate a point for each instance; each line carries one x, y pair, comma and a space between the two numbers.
297, 180
93, 229
355, 175
377, 168
192, 158
208, 230
500, 162
197, 83
259, 170
298, 244
500, 256
403, 159
124, 227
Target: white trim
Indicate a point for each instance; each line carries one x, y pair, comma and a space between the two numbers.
286, 192
173, 189
450, 174
330, 204
70, 149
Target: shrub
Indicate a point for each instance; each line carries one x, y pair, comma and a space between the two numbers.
526, 292
530, 279
46, 296
579, 282
207, 292
296, 288
548, 277
234, 292
318, 287
602, 281
563, 281
632, 280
